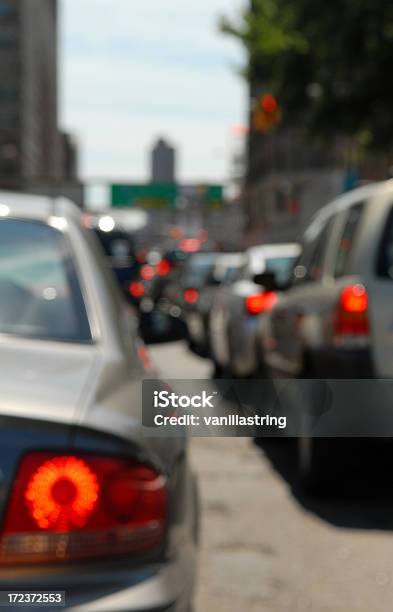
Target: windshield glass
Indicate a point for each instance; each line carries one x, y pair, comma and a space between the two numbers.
40, 295
282, 268
199, 268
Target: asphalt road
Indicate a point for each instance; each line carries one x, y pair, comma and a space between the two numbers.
268, 548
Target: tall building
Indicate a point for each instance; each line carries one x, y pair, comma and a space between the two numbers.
32, 151
69, 157
163, 163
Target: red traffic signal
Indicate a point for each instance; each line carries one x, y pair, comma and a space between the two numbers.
269, 103
267, 114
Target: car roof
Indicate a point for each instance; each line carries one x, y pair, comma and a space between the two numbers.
289, 249
258, 254
345, 201
230, 259
31, 206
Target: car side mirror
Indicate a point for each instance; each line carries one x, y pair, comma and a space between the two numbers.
268, 280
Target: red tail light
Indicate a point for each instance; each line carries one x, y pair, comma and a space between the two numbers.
352, 314
147, 272
191, 296
260, 302
163, 267
67, 507
62, 494
136, 289
190, 245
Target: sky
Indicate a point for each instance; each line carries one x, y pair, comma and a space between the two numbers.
136, 70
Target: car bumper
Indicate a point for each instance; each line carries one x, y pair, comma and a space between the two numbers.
162, 591
166, 587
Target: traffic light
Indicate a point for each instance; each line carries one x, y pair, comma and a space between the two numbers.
267, 113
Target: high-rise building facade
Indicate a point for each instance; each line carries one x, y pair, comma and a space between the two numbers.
163, 163
30, 141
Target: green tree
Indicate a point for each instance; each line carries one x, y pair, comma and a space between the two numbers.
328, 63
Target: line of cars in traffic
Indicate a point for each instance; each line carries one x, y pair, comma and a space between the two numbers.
88, 505
315, 311
321, 310
221, 296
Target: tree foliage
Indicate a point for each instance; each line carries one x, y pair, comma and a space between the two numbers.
328, 63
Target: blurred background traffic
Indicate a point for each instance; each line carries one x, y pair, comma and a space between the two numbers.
229, 166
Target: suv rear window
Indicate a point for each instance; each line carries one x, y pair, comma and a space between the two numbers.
385, 259
40, 296
310, 264
345, 245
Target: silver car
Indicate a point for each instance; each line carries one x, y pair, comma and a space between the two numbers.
237, 306
336, 320
89, 506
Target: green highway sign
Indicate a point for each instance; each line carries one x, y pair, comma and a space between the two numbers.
154, 195
164, 195
214, 195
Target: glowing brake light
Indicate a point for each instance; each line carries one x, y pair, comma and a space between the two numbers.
163, 267
354, 299
147, 272
351, 318
62, 494
68, 507
191, 296
260, 302
190, 245
136, 289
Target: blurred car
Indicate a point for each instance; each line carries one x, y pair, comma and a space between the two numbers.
183, 289
159, 320
197, 314
137, 272
120, 251
335, 321
88, 504
169, 271
234, 314
185, 292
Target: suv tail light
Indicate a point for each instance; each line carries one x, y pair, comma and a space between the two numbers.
260, 302
351, 324
69, 507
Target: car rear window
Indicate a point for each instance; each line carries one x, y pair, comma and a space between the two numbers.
385, 259
40, 296
282, 267
347, 240
198, 269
